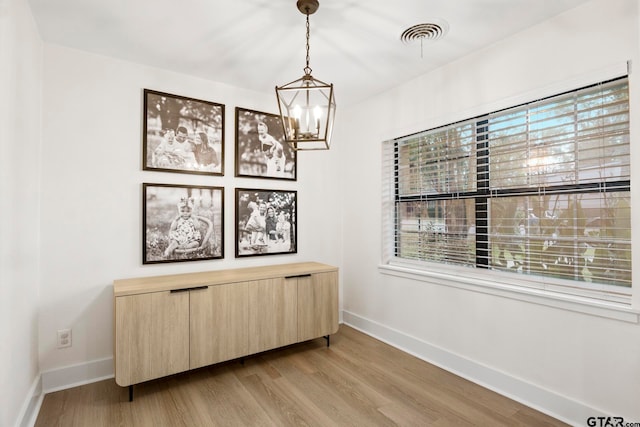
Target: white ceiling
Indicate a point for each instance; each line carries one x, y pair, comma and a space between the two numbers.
256, 44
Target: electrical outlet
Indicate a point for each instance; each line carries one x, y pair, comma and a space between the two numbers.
64, 338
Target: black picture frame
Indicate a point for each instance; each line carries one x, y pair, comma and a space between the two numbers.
169, 236
182, 135
260, 150
256, 234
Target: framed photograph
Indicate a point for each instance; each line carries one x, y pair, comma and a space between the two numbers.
183, 135
260, 148
182, 223
265, 222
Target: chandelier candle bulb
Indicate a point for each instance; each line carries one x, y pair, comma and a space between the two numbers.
317, 113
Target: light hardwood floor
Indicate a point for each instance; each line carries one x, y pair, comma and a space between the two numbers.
358, 381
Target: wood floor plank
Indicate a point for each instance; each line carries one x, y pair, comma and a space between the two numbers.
380, 377
324, 398
281, 408
527, 417
358, 381
423, 378
227, 400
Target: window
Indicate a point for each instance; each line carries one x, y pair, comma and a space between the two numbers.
541, 190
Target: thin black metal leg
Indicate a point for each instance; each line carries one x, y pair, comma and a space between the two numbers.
131, 393
328, 338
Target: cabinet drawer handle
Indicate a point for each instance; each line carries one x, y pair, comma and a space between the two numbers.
197, 288
298, 276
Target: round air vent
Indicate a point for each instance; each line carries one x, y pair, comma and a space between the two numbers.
420, 32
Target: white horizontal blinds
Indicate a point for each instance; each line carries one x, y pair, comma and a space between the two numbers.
508, 135
541, 189
440, 161
436, 174
558, 187
584, 237
436, 230
575, 138
603, 133
389, 179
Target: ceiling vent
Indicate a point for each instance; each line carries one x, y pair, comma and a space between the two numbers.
421, 32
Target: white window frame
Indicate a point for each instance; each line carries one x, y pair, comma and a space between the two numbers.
534, 289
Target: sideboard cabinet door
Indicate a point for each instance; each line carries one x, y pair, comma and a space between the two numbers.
151, 336
219, 324
272, 314
317, 305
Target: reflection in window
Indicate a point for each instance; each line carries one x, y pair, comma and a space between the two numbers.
570, 236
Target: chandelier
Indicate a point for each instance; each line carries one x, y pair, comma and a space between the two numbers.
307, 105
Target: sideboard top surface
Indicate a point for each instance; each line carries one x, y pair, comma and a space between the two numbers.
139, 285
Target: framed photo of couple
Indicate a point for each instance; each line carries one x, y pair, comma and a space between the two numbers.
182, 135
260, 148
182, 223
266, 222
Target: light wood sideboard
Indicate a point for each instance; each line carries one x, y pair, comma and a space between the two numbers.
164, 325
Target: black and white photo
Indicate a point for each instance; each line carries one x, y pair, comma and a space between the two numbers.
183, 135
260, 148
265, 222
182, 223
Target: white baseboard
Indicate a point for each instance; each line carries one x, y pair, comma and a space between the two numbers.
76, 375
548, 402
31, 406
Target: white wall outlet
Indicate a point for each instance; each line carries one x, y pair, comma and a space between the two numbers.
64, 338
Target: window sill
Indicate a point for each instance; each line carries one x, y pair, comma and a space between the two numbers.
610, 310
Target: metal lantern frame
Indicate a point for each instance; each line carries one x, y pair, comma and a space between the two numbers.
307, 105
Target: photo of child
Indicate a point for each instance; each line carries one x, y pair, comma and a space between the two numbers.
182, 223
260, 148
184, 232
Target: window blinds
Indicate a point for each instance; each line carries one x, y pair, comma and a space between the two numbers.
539, 189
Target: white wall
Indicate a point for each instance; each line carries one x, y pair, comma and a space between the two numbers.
89, 227
590, 364
91, 215
20, 101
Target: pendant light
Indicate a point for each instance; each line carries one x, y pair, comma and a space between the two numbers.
307, 105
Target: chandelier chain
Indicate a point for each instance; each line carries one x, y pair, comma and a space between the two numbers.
307, 69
